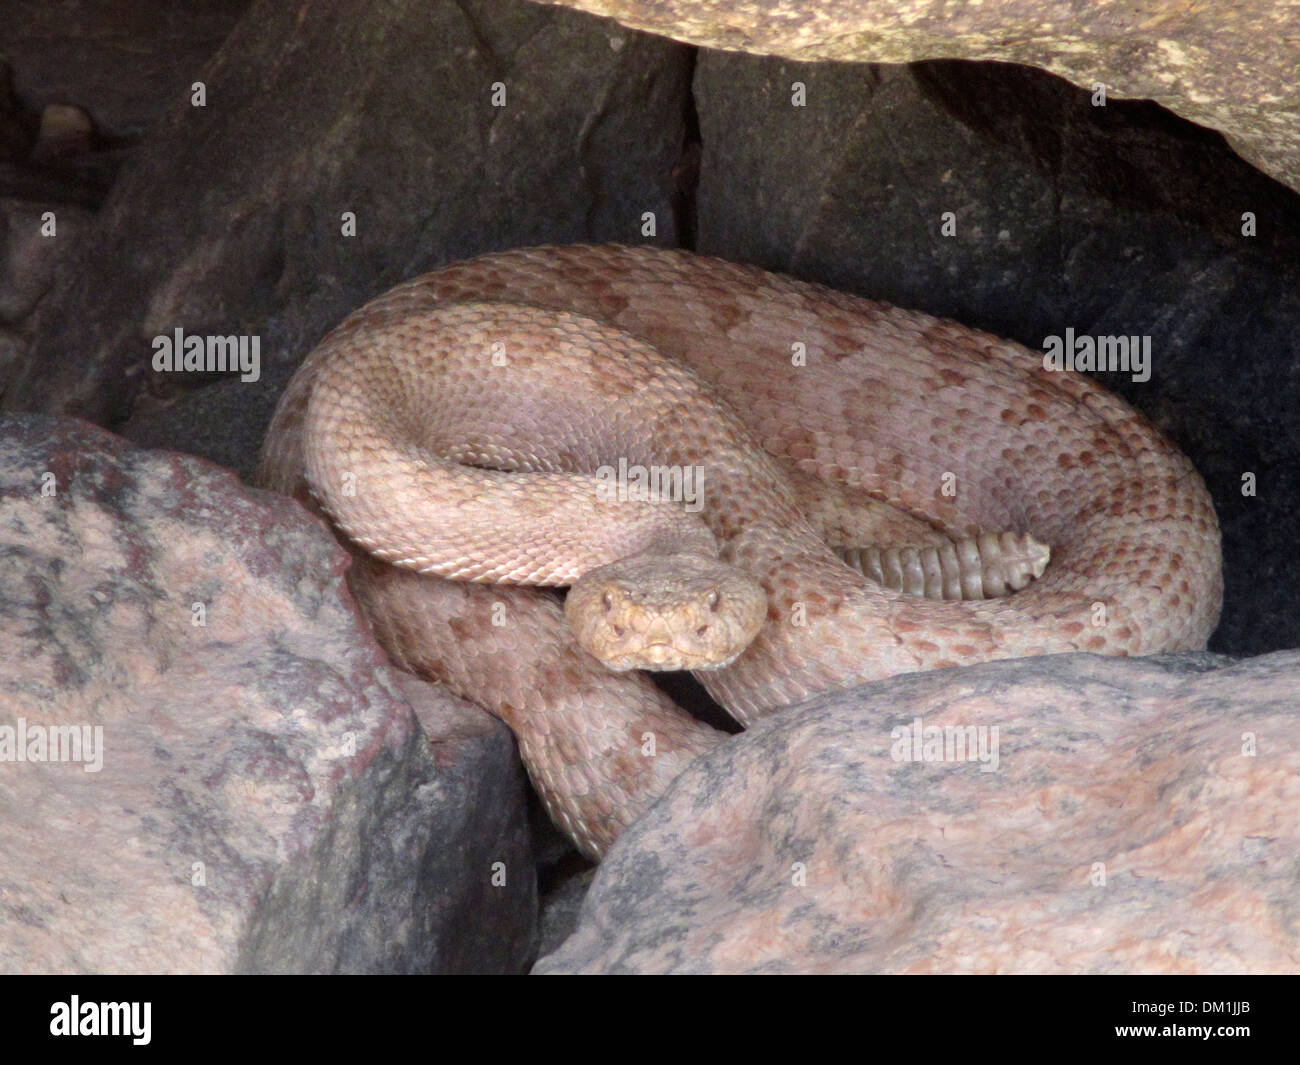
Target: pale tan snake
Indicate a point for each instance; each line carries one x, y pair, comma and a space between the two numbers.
453, 425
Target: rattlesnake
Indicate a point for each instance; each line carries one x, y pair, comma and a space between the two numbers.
452, 426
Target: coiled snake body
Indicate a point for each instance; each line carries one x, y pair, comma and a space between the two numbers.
461, 430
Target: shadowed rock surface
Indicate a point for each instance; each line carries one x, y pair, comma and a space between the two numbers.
127, 60
233, 220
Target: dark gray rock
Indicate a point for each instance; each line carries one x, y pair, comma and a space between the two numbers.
230, 221
126, 63
224, 422
28, 256
561, 908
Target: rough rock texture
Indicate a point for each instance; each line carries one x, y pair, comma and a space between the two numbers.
232, 222
266, 800
124, 60
52, 152
12, 349
1118, 221
1142, 819
560, 909
1233, 67
29, 253
18, 131
27, 267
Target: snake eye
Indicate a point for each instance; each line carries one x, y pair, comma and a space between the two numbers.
713, 601
608, 601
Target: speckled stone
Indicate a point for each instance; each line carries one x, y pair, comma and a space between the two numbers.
1232, 67
257, 794
1143, 817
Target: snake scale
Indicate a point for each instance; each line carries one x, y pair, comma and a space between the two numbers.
460, 429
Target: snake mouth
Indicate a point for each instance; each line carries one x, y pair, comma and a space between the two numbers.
667, 656
661, 653
659, 657
663, 657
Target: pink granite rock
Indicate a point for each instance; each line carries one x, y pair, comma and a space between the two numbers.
242, 784
1187, 57
1128, 816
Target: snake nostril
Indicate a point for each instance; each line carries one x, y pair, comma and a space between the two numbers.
701, 630
618, 630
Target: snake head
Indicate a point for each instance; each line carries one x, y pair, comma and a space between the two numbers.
665, 611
